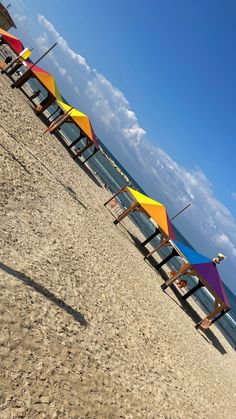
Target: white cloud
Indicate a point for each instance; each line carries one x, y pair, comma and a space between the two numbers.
62, 42
233, 195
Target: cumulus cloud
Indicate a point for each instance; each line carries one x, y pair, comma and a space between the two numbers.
62, 42
208, 224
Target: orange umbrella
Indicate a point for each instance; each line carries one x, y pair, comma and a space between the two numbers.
46, 79
82, 121
154, 210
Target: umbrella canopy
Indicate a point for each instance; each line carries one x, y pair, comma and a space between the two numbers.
206, 269
156, 211
46, 79
12, 41
82, 121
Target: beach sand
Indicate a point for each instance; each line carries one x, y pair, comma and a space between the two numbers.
86, 331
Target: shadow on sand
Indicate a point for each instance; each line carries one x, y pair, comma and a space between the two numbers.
78, 317
208, 335
67, 189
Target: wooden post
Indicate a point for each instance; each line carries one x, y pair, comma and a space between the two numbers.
89, 144
172, 254
223, 312
157, 248
211, 315
82, 135
19, 64
156, 232
54, 125
13, 69
89, 157
192, 291
22, 80
116, 194
126, 212
49, 100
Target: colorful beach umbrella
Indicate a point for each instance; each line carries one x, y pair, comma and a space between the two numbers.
81, 120
46, 79
14, 42
206, 268
155, 210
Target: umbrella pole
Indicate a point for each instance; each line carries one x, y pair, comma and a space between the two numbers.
180, 212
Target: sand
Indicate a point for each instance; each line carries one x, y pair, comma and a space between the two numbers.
86, 331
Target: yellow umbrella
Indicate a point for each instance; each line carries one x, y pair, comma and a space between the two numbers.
81, 120
154, 210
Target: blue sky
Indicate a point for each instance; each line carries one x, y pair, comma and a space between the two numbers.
157, 79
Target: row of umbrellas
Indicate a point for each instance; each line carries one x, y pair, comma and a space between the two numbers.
49, 82
195, 264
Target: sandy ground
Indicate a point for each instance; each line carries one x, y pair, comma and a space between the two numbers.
85, 330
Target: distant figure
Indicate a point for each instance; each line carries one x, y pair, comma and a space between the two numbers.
219, 258
182, 283
106, 186
35, 94
113, 203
